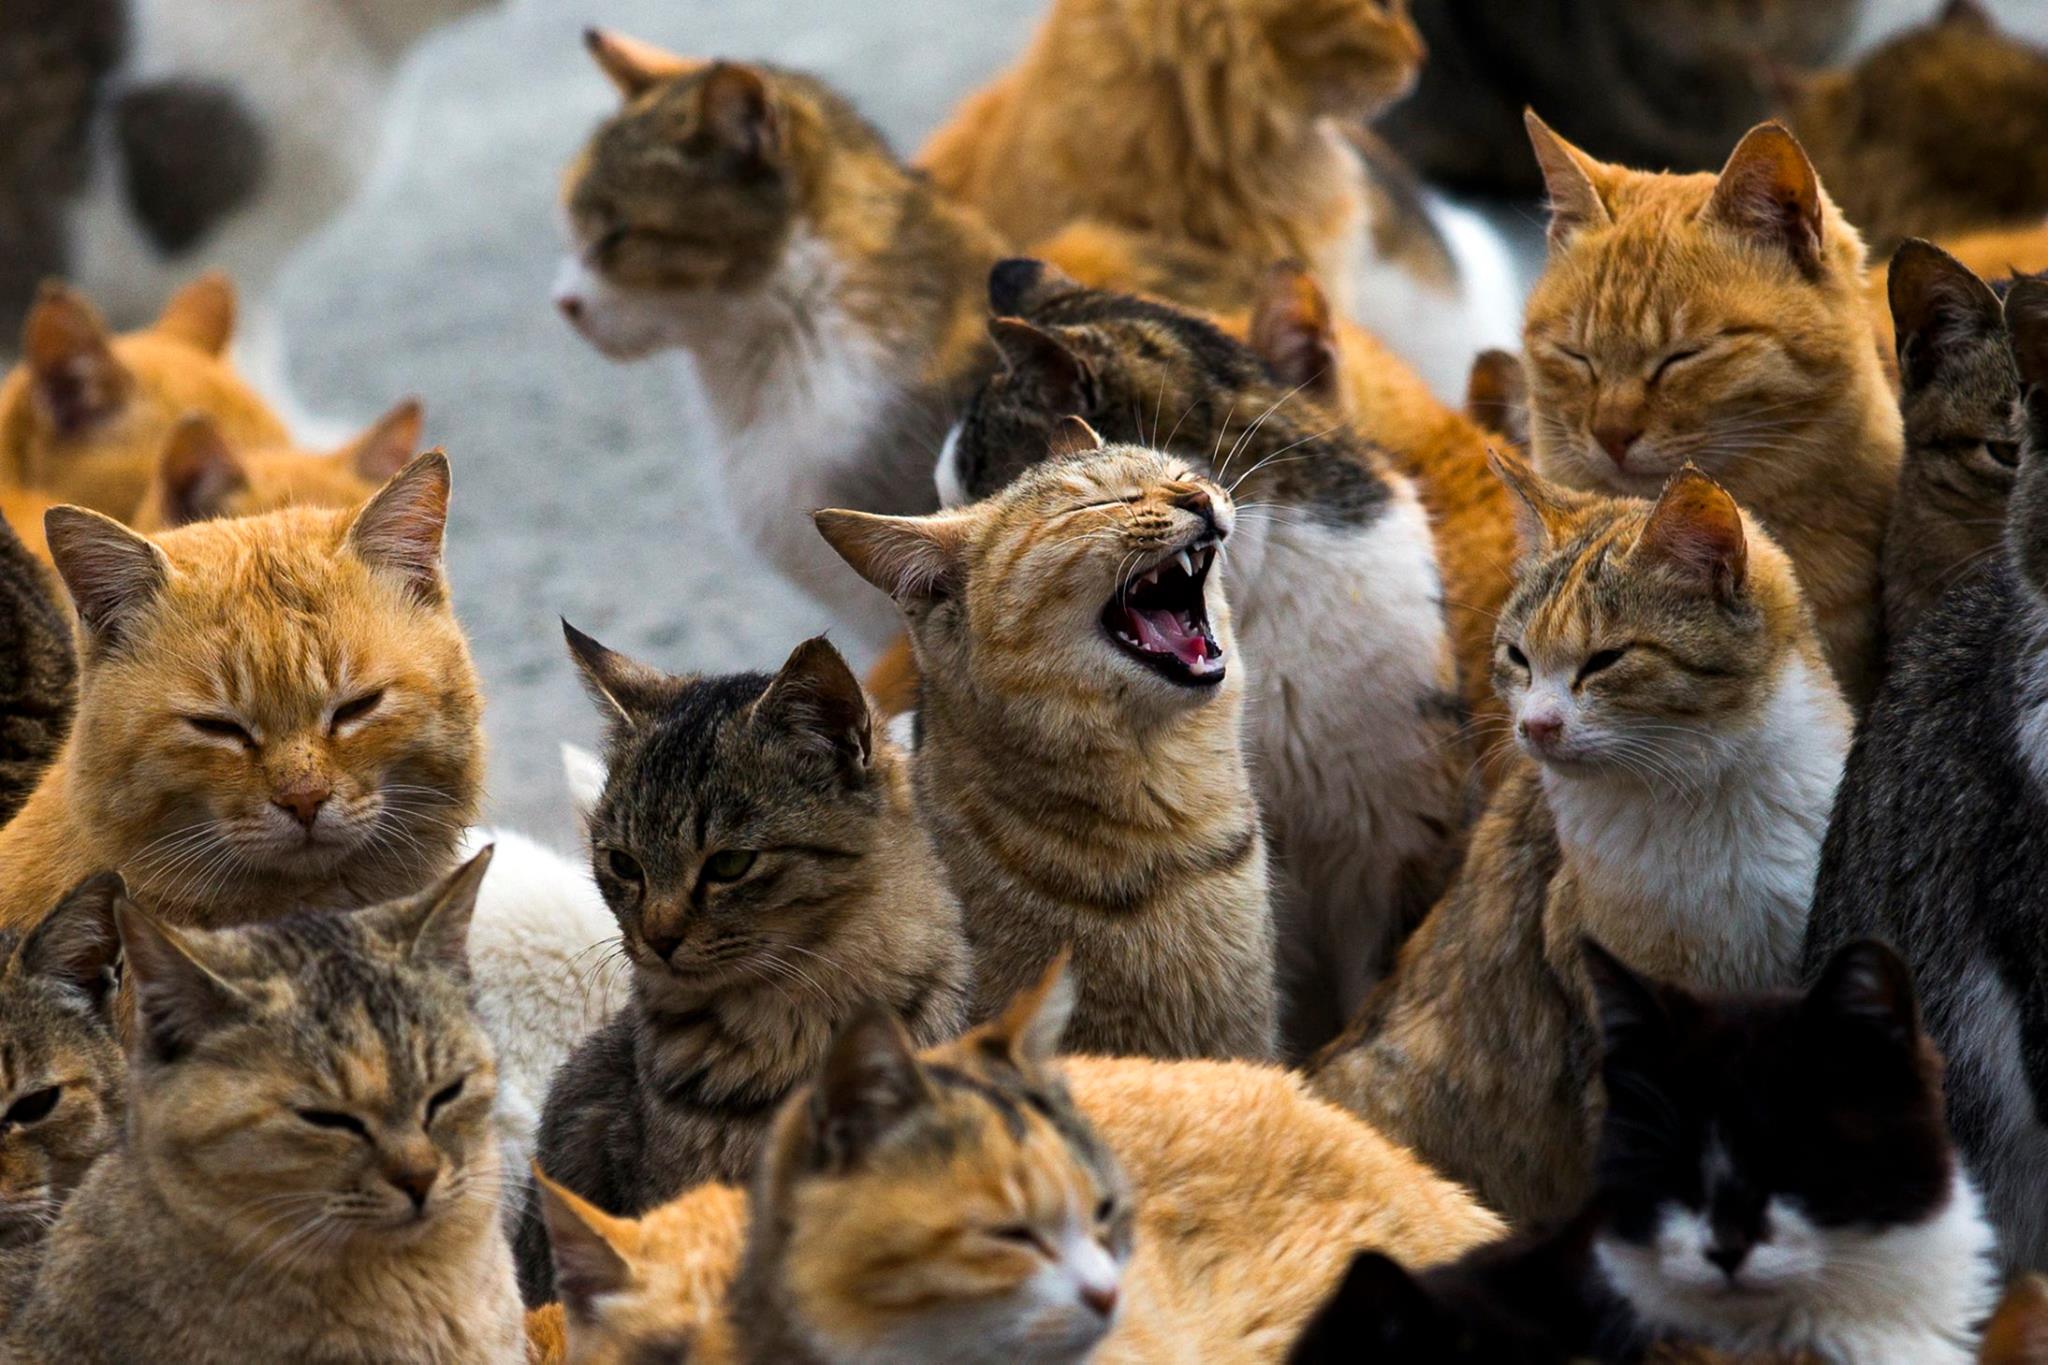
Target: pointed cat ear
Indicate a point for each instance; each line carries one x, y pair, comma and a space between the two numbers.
635, 67
593, 1251
817, 698
1630, 1009
1769, 191
1868, 984
74, 378
1072, 436
197, 473
740, 108
910, 558
1937, 302
870, 1082
1571, 179
1377, 1300
77, 944
388, 445
433, 928
1022, 284
178, 999
1060, 381
1028, 1031
400, 529
1544, 512
202, 314
1697, 528
1497, 395
2018, 1331
1293, 332
2026, 322
1968, 13
629, 693
112, 573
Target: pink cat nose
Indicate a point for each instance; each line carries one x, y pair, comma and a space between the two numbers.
414, 1182
1542, 731
303, 799
571, 306
1101, 1298
1615, 438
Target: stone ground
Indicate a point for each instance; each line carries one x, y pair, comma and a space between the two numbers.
577, 492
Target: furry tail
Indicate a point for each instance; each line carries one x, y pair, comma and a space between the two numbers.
38, 672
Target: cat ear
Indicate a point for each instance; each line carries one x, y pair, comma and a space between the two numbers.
1572, 180
77, 944
740, 108
2018, 1331
1865, 982
1028, 1031
870, 1082
1072, 436
1019, 285
1769, 191
1378, 1301
1630, 1009
1060, 381
594, 1253
1497, 395
1293, 332
816, 697
178, 999
635, 67
630, 693
1697, 527
433, 927
74, 378
1544, 512
910, 558
1968, 13
400, 529
197, 473
2026, 322
1937, 302
202, 314
112, 573
388, 445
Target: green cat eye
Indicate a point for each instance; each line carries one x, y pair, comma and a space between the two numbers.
729, 864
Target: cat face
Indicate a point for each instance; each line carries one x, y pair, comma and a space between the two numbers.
61, 1069
1635, 634
274, 706
2026, 522
1687, 319
1764, 1154
740, 815
957, 1208
1092, 576
1356, 57
316, 1086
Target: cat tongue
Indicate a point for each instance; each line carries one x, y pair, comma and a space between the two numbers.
1165, 632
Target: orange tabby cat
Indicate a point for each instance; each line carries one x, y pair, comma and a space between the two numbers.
1721, 320
273, 712
85, 414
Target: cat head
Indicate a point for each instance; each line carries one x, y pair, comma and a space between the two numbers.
85, 413
2026, 521
957, 1207
275, 706
1086, 587
1759, 1152
699, 187
1639, 635
61, 1069
1349, 59
200, 476
740, 814
315, 1088
1483, 1309
1703, 319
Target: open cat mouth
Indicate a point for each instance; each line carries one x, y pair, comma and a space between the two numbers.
1161, 617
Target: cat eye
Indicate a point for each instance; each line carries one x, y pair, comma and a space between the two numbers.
1105, 1211
1020, 1233
1676, 357
31, 1108
329, 1118
607, 244
1581, 361
729, 864
1517, 658
1600, 661
220, 727
355, 709
2006, 453
623, 865
446, 1095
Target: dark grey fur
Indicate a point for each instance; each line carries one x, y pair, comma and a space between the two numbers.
38, 673
191, 154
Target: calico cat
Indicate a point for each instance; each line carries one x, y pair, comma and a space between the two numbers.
86, 413
1352, 707
1775, 1184
273, 712
1937, 843
1079, 761
1959, 394
1719, 320
38, 672
758, 843
309, 1143
830, 297
1682, 743
1237, 1196
1940, 129
1647, 82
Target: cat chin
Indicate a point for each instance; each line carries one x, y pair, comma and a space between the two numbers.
620, 324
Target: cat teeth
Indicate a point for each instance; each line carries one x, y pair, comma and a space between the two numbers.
1187, 564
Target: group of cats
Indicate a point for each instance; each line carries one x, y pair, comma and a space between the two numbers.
1547, 816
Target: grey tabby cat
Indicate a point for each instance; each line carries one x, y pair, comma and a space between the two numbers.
758, 841
38, 672
310, 1171
1939, 842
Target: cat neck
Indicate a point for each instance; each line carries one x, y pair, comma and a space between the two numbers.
1706, 874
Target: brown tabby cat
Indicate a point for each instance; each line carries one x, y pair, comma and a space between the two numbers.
990, 1204
85, 414
273, 712
1683, 741
38, 672
1080, 765
1940, 129
310, 1171
1719, 320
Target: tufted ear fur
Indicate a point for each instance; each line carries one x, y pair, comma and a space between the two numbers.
77, 943
910, 558
1544, 511
630, 693
75, 380
1293, 332
817, 699
635, 67
178, 998
113, 574
870, 1082
1768, 191
197, 473
1936, 302
1033, 357
1697, 528
401, 528
1572, 180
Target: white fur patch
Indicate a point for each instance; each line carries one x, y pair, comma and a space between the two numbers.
1438, 333
584, 773
946, 474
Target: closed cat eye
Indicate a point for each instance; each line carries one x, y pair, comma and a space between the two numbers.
31, 1108
1600, 661
220, 727
329, 1118
623, 865
355, 709
1020, 1233
1668, 361
729, 864
2006, 453
1517, 658
446, 1095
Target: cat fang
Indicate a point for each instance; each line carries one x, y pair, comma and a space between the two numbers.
1161, 617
